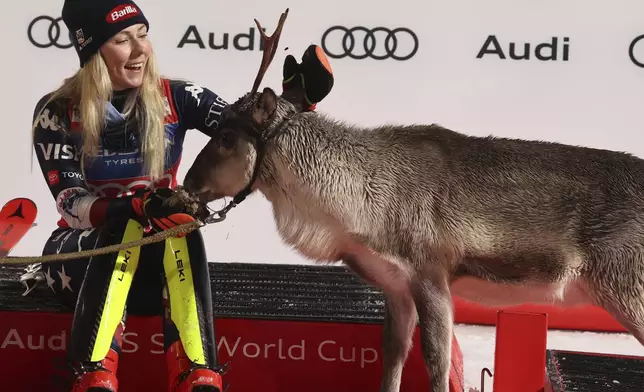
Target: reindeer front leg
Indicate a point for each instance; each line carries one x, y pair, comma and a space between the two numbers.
435, 313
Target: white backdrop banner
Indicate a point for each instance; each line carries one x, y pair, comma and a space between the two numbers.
570, 72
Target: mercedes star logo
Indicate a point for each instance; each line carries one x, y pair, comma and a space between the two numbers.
631, 51
53, 33
388, 43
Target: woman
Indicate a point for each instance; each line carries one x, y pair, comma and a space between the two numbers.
109, 142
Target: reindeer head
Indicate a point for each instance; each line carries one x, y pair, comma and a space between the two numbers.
229, 163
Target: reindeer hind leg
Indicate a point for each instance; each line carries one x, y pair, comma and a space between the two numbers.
397, 333
400, 312
435, 313
620, 294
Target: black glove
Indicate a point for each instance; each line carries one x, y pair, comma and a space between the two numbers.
163, 209
313, 75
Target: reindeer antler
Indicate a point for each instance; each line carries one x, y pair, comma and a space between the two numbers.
270, 47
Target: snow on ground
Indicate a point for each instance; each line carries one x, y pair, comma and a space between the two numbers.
477, 345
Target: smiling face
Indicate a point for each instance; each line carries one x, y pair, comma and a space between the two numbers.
126, 55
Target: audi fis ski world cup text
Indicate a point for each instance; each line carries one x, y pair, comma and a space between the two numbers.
319, 348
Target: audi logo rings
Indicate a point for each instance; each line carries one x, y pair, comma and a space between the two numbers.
53, 33
392, 48
631, 51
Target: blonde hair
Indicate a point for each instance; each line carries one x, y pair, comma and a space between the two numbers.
90, 88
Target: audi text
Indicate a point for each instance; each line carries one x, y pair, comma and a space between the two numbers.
217, 41
553, 50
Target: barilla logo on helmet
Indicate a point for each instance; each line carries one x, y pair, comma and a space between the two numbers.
122, 12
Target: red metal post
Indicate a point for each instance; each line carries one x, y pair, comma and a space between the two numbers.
520, 352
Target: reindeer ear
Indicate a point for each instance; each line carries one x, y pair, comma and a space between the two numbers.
292, 89
309, 82
265, 106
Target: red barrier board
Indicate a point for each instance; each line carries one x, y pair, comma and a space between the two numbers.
266, 355
582, 318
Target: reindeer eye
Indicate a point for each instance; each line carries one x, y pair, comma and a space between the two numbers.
227, 139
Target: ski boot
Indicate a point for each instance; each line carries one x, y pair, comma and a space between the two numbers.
185, 376
101, 377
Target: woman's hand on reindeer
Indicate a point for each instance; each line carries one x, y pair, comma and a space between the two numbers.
164, 208
312, 79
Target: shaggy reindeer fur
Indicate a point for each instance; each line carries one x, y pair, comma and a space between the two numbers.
425, 213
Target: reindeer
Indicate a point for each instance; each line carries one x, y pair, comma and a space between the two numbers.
424, 212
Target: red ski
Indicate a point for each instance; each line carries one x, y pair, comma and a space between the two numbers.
17, 216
